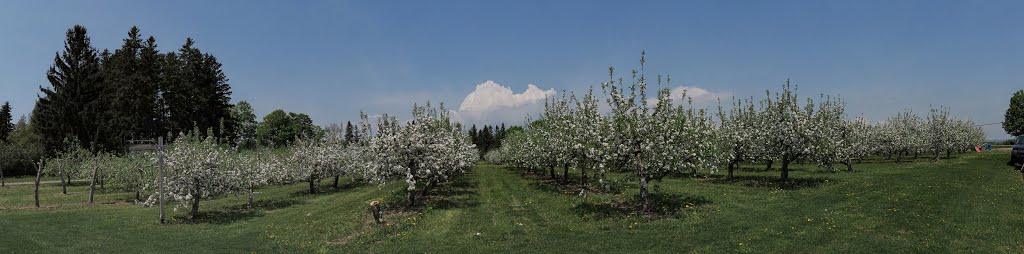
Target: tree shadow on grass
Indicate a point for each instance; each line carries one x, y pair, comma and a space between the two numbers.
240, 212
220, 217
460, 193
759, 181
542, 181
662, 205
775, 168
328, 189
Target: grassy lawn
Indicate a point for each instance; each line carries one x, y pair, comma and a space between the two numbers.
972, 203
29, 179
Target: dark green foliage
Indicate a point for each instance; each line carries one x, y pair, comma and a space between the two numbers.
488, 138
1013, 122
280, 128
245, 124
23, 147
135, 92
303, 125
6, 127
196, 93
130, 74
350, 133
72, 107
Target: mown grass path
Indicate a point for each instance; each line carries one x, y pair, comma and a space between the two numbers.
973, 203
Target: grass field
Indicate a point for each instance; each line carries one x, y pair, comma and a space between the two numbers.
972, 203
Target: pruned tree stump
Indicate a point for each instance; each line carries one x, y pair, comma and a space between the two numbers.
375, 209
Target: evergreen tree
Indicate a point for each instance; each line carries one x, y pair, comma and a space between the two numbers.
486, 140
72, 106
132, 113
195, 92
473, 137
6, 126
500, 135
150, 75
349, 133
173, 104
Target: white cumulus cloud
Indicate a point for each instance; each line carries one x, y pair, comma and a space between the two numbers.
490, 95
701, 97
492, 103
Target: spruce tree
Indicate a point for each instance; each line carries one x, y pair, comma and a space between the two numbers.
132, 105
349, 133
6, 126
150, 76
473, 137
195, 92
71, 107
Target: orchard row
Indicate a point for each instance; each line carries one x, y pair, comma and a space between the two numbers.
650, 137
424, 152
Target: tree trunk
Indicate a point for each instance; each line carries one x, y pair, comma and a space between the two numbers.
785, 170
426, 188
565, 173
312, 185
643, 193
39, 174
64, 184
948, 154
583, 176
552, 169
849, 165
92, 183
195, 202
411, 195
732, 165
375, 206
770, 162
336, 182
3, 182
252, 196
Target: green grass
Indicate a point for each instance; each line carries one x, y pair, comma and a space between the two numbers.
972, 203
29, 179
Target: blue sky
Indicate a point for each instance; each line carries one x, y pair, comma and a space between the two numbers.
331, 59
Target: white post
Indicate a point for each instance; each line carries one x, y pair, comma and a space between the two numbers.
160, 149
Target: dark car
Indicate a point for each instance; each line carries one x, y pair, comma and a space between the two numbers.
1017, 156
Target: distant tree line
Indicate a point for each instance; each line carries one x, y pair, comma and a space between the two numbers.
98, 100
102, 99
487, 138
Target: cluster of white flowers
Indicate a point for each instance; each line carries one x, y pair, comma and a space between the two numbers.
782, 129
795, 131
907, 134
652, 138
648, 139
198, 168
425, 151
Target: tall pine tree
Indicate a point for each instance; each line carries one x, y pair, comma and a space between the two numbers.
6, 126
71, 108
195, 92
132, 113
350, 135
